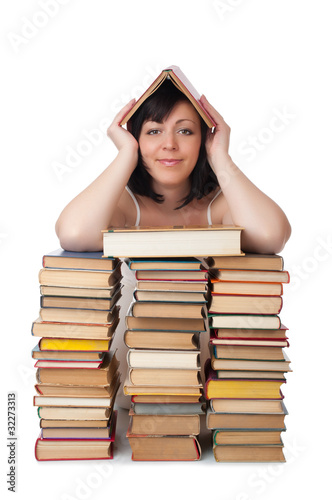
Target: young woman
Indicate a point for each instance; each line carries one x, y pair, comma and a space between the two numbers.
170, 170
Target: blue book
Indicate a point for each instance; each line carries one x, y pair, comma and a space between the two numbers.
62, 259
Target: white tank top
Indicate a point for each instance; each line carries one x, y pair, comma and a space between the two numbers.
138, 211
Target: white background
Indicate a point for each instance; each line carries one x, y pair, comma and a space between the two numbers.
67, 67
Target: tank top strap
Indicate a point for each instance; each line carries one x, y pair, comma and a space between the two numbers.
208, 213
138, 211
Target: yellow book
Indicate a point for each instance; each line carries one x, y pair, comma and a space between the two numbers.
249, 389
47, 344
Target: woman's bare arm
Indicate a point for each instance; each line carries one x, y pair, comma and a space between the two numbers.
80, 224
266, 227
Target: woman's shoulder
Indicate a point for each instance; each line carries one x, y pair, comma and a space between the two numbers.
126, 212
217, 208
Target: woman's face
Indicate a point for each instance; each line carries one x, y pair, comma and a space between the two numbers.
170, 149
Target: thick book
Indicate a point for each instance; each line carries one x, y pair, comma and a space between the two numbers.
261, 262
106, 292
238, 321
71, 425
172, 275
247, 406
249, 453
180, 310
246, 437
250, 374
51, 329
164, 448
60, 363
76, 432
172, 286
172, 425
78, 260
161, 390
181, 82
79, 278
180, 408
69, 315
252, 275
165, 324
184, 263
166, 399
95, 303
172, 241
37, 353
72, 402
246, 288
252, 333
74, 345
248, 352
244, 304
247, 342
164, 377
75, 448
74, 413
140, 358
275, 421
152, 339
169, 296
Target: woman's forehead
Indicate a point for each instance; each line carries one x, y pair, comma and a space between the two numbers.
182, 111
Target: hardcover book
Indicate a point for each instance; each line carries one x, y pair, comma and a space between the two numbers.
177, 77
173, 241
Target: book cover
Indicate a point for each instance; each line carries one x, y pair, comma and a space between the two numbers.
182, 83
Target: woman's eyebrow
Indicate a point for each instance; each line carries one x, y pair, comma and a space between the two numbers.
185, 120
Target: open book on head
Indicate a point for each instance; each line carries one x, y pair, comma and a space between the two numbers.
174, 74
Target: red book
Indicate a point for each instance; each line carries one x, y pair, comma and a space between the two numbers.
177, 77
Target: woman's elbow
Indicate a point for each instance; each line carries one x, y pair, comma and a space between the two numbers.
276, 239
74, 240
271, 241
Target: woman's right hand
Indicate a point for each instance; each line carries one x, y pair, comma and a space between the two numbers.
121, 137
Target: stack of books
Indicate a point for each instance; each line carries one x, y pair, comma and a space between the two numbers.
164, 324
163, 330
77, 373
248, 362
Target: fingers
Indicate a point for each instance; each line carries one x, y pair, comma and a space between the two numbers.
118, 117
211, 110
124, 111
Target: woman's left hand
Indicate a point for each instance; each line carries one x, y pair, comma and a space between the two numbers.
217, 142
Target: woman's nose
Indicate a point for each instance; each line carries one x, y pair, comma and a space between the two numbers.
170, 141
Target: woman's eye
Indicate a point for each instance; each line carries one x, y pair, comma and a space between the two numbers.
185, 131
153, 132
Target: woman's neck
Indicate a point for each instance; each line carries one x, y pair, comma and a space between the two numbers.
173, 195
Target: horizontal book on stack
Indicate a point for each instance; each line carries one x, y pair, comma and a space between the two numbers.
77, 373
248, 360
163, 332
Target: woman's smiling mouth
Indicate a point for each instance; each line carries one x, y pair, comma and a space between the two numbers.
169, 162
